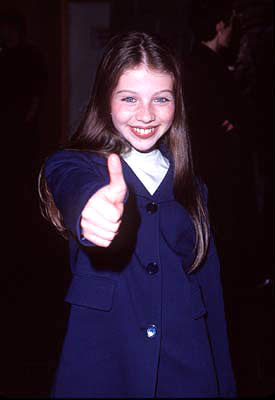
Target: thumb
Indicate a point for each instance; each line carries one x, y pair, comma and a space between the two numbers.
117, 186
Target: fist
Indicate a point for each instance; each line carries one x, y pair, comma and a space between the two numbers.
101, 216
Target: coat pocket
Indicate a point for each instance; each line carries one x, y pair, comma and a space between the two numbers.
91, 291
198, 306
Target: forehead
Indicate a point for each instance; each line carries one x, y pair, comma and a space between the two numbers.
142, 76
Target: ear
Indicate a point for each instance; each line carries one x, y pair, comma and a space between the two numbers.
220, 26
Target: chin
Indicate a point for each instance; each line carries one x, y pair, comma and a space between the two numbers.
144, 145
143, 149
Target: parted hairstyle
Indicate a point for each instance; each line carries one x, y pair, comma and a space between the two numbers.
96, 132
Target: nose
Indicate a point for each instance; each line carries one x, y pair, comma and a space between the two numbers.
145, 113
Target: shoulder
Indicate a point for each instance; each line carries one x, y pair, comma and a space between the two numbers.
75, 157
69, 160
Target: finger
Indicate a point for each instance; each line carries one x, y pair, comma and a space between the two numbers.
99, 221
97, 231
106, 209
117, 185
98, 241
90, 232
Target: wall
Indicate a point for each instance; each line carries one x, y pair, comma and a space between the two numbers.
87, 22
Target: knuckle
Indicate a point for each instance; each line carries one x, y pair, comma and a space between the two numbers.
111, 236
116, 227
85, 212
83, 223
105, 243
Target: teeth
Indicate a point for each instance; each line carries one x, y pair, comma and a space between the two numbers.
142, 131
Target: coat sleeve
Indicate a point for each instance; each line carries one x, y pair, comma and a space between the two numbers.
72, 178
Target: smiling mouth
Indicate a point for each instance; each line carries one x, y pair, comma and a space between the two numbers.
144, 132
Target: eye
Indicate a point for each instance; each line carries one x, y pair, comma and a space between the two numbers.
129, 99
161, 100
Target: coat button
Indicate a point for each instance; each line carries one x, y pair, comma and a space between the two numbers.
151, 331
151, 208
152, 268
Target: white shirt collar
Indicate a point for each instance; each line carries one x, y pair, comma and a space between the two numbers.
150, 167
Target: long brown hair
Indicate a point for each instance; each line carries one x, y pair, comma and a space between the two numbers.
96, 131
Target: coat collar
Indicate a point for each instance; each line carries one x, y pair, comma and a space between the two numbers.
164, 191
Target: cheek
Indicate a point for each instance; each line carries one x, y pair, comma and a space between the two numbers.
167, 115
119, 114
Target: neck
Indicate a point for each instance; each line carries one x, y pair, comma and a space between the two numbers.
152, 150
212, 44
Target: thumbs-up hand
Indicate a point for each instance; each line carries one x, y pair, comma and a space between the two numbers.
101, 216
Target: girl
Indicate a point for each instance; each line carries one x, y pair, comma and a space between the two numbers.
147, 315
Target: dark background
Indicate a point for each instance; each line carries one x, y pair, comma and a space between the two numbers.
35, 271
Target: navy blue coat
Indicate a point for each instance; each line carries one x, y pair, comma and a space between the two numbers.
140, 325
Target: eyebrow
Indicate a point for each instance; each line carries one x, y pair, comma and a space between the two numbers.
132, 91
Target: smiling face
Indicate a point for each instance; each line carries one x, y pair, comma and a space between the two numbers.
143, 106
